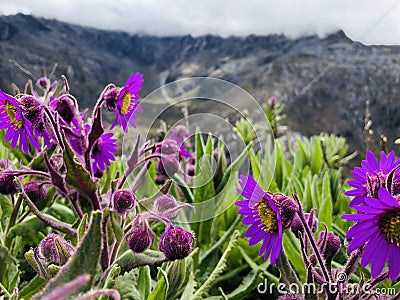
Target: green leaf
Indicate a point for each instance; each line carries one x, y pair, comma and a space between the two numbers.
292, 249
143, 283
325, 212
161, 289
317, 158
6, 206
130, 260
82, 227
119, 233
6, 256
126, 285
77, 176
85, 260
33, 287
248, 284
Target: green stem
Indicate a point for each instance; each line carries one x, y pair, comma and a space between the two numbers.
11, 223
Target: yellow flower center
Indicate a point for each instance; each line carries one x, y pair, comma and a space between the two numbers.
389, 224
127, 103
11, 110
268, 217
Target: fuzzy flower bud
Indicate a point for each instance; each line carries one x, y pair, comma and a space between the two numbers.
297, 225
165, 205
65, 106
140, 239
191, 169
35, 191
7, 185
123, 201
43, 83
32, 110
111, 97
333, 243
176, 242
50, 252
286, 207
168, 165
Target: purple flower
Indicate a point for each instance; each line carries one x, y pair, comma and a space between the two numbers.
124, 102
50, 253
102, 152
263, 217
378, 227
12, 118
179, 134
372, 176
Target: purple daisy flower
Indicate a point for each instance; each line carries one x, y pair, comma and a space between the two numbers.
124, 102
378, 224
262, 214
12, 118
372, 176
102, 152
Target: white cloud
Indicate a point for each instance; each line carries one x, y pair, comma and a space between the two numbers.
369, 21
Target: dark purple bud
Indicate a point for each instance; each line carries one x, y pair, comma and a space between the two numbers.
43, 83
123, 201
286, 207
291, 297
176, 242
160, 179
297, 225
50, 252
35, 191
111, 97
332, 245
140, 239
166, 204
32, 109
66, 107
168, 165
7, 185
191, 169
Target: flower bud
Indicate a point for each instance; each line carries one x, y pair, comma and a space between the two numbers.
160, 179
176, 242
333, 243
140, 239
123, 201
43, 83
5, 164
286, 207
35, 191
50, 252
32, 109
191, 169
65, 106
165, 204
168, 165
297, 225
7, 185
111, 97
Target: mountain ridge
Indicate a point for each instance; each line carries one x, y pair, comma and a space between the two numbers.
324, 81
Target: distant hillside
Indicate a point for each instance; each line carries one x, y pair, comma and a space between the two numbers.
325, 81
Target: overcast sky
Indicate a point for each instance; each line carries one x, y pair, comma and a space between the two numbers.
368, 21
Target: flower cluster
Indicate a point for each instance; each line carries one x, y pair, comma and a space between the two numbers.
176, 242
377, 201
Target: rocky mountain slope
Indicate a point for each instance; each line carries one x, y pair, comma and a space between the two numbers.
324, 81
